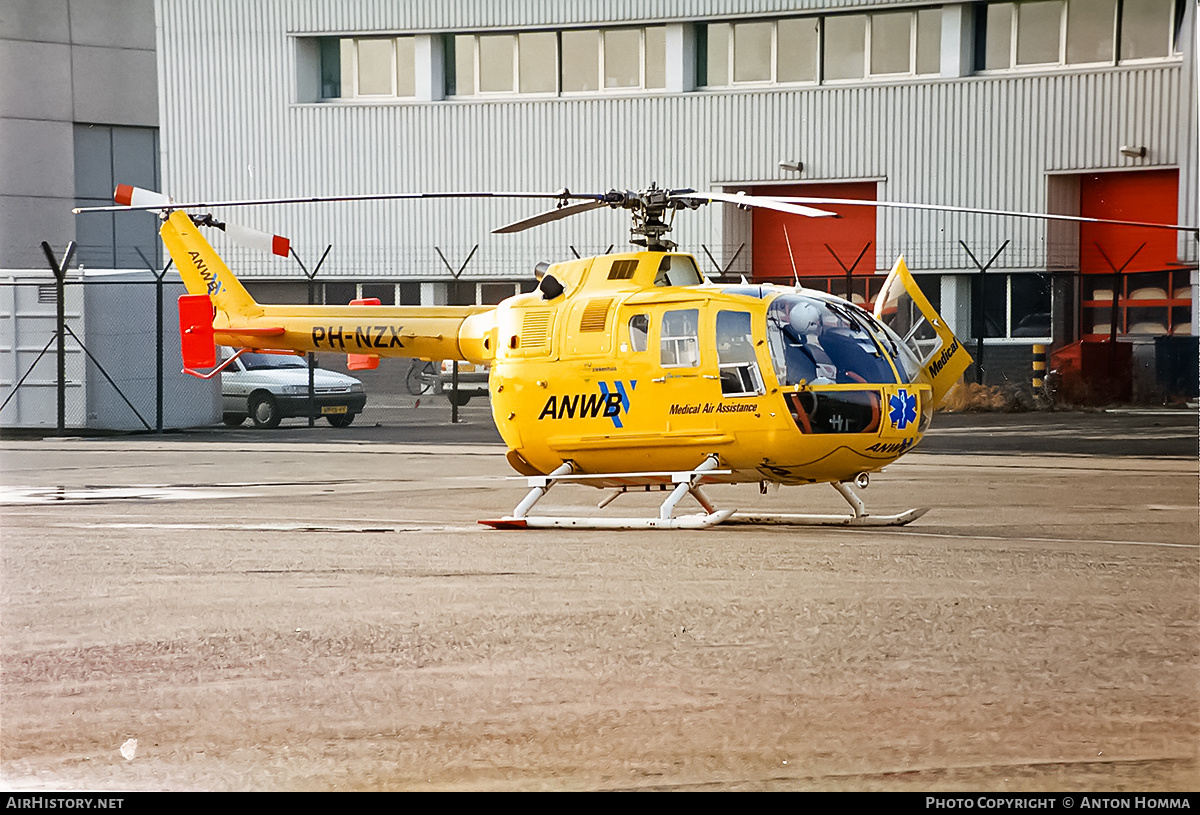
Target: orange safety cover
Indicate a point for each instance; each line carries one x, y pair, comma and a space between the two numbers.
363, 362
196, 331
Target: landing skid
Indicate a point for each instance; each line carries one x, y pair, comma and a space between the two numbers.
680, 484
858, 518
899, 519
700, 521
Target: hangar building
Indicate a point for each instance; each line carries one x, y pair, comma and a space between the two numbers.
1081, 107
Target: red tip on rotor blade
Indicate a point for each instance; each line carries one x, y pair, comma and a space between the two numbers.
123, 195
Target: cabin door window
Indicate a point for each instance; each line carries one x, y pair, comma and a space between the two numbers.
738, 366
679, 344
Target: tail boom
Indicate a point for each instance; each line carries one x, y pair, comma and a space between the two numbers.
428, 332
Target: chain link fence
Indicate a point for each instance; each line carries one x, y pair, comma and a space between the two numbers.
100, 351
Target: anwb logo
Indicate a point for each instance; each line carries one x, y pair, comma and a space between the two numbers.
610, 402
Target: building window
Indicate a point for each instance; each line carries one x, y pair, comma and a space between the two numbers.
532, 62
1038, 33
845, 46
365, 67
753, 47
891, 35
622, 58
789, 50
1015, 306
580, 61
798, 43
1146, 29
1090, 27
106, 155
537, 65
1039, 26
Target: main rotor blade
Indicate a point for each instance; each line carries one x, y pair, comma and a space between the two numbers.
741, 199
976, 211
256, 239
130, 197
548, 217
164, 203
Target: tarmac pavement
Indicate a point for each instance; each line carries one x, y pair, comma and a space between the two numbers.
318, 609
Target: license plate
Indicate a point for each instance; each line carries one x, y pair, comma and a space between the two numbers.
328, 409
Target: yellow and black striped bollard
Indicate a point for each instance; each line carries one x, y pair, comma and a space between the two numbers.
1039, 369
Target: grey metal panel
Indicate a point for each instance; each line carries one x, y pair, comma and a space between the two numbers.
981, 141
114, 85
37, 80
35, 157
127, 22
384, 15
40, 20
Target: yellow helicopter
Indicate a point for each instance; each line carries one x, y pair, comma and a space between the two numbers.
631, 371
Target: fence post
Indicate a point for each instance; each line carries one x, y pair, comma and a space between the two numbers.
454, 372
979, 314
60, 273
159, 277
312, 358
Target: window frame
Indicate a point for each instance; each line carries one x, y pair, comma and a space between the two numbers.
744, 371
348, 50
1173, 51
820, 67
1007, 338
559, 91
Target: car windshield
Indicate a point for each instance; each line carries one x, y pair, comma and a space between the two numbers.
263, 362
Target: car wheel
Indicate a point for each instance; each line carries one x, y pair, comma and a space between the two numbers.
463, 397
233, 419
264, 411
340, 419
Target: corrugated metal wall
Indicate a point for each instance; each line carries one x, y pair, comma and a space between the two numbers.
231, 128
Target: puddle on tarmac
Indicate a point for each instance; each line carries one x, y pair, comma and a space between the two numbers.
79, 495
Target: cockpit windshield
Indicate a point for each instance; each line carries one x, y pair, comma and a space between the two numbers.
821, 342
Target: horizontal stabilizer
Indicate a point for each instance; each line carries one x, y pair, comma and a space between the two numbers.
251, 331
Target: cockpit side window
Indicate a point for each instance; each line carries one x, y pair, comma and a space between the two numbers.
639, 333
818, 342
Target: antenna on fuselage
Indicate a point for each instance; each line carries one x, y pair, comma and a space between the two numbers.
791, 256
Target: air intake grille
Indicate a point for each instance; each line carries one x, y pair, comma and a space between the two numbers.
535, 328
622, 269
595, 316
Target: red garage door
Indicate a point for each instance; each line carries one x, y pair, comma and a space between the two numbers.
1135, 265
1147, 195
821, 247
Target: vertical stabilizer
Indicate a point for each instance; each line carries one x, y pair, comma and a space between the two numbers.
204, 272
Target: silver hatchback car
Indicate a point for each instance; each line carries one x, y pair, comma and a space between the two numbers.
272, 387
